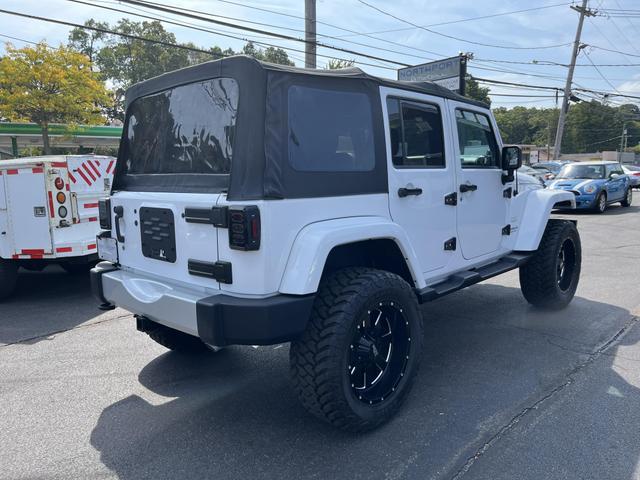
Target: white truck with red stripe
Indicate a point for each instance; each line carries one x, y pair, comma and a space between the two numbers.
49, 212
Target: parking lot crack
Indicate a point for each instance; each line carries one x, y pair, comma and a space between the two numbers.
569, 378
57, 332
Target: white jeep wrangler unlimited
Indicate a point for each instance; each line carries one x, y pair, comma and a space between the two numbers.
255, 204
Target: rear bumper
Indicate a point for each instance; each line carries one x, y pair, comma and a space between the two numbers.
217, 319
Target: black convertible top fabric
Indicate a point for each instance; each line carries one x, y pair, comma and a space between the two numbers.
218, 68
260, 168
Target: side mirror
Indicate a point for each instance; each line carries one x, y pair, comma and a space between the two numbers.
511, 158
614, 176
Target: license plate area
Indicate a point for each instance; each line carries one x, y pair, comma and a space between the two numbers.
157, 234
107, 248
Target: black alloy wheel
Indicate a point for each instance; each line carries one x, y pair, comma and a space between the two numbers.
379, 352
566, 264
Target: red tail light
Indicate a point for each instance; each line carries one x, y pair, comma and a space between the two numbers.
59, 183
244, 228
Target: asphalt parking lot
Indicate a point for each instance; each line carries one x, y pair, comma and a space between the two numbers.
504, 391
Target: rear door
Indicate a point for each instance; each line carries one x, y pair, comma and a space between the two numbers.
482, 206
29, 209
421, 175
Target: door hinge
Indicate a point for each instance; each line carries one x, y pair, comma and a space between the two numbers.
450, 244
216, 216
451, 199
506, 230
508, 193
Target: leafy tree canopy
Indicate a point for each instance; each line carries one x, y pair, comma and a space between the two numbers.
123, 61
50, 85
475, 91
591, 126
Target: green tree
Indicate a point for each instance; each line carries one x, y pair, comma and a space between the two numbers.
336, 64
271, 54
475, 91
50, 85
123, 61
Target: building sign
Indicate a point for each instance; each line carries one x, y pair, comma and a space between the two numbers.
448, 73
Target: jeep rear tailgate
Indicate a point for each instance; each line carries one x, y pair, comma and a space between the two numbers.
157, 239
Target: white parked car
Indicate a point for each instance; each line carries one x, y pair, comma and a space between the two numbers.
256, 204
49, 212
633, 171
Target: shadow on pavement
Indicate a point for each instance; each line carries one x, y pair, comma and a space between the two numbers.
488, 358
28, 315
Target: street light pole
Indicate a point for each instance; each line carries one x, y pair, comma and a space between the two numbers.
584, 11
310, 33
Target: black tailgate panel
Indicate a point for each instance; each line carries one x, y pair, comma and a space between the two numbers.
157, 233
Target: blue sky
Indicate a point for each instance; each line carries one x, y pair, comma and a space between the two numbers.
344, 21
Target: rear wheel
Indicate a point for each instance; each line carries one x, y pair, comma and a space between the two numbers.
8, 277
174, 339
356, 362
601, 203
628, 197
550, 278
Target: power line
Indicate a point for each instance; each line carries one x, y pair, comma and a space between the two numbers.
149, 40
614, 51
464, 19
104, 30
599, 72
458, 38
150, 4
191, 25
156, 6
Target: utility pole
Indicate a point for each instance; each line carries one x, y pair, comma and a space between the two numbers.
623, 138
310, 33
584, 11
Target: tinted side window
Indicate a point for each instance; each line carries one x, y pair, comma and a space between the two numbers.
478, 145
416, 134
330, 130
186, 129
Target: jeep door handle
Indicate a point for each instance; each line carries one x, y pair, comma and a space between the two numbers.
405, 192
466, 187
119, 211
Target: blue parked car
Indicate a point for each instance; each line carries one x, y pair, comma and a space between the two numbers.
595, 184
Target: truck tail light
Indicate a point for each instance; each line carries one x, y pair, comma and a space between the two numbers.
244, 228
59, 183
61, 197
104, 213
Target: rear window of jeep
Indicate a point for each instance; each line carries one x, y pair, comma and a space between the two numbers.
330, 130
186, 129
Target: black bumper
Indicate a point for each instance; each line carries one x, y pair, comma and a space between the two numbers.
226, 320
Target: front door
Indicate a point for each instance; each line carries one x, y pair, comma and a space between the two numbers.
482, 206
421, 175
615, 186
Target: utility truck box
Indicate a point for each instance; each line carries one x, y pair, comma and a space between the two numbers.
49, 212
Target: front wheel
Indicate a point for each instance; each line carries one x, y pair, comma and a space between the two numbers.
550, 278
601, 203
8, 277
628, 197
356, 362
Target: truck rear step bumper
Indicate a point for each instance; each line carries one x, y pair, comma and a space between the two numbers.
217, 319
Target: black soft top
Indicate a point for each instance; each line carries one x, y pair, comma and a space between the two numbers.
260, 169
257, 69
